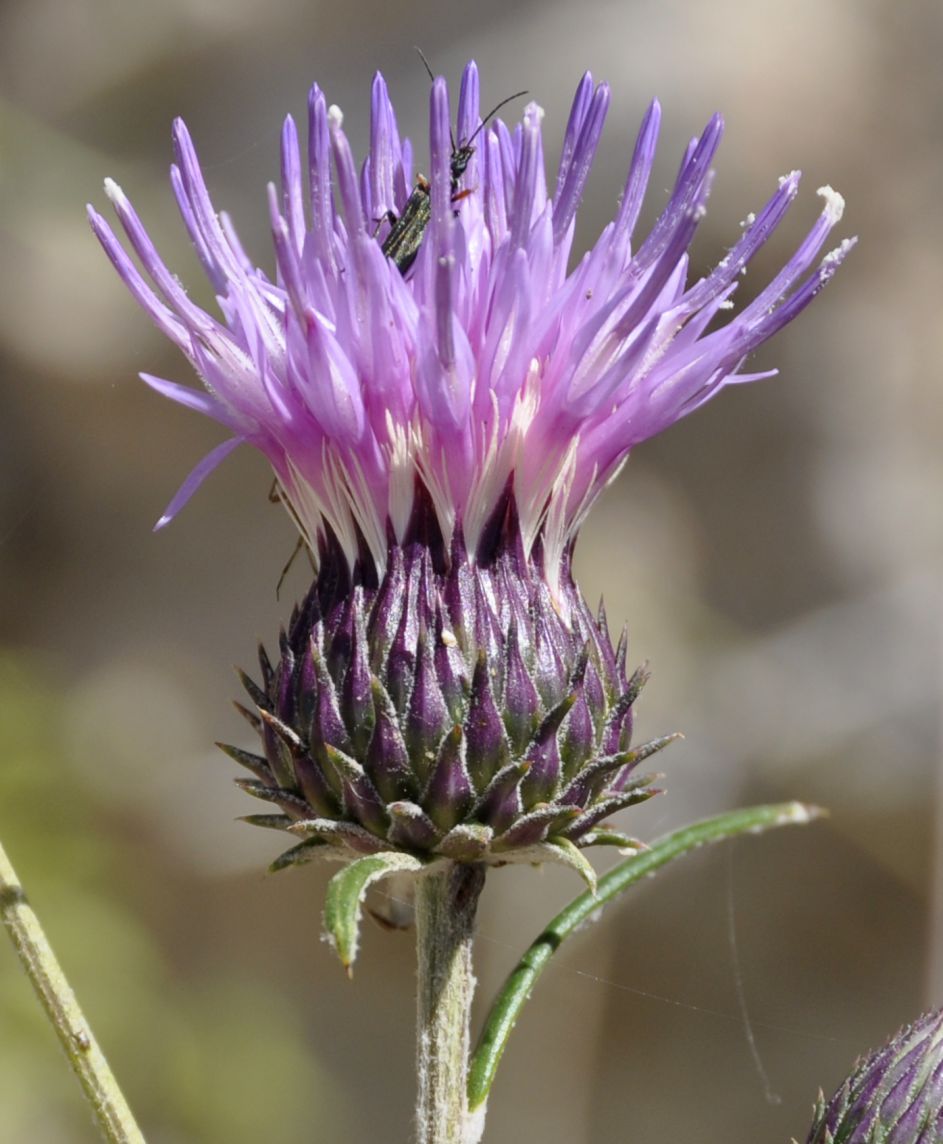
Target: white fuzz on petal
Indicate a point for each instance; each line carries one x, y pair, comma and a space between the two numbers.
834, 203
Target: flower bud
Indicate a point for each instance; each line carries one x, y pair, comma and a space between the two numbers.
451, 707
894, 1095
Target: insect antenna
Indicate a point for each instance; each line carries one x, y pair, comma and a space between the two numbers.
491, 114
431, 74
425, 63
300, 547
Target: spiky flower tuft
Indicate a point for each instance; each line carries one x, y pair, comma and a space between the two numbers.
442, 398
490, 361
894, 1095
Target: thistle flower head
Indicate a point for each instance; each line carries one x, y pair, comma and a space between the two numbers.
442, 398
894, 1095
491, 361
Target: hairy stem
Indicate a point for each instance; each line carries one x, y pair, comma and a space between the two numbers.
445, 914
55, 994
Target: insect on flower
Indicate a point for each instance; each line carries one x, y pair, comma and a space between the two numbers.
275, 496
402, 243
438, 437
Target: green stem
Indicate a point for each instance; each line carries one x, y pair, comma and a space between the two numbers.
518, 986
101, 1089
445, 917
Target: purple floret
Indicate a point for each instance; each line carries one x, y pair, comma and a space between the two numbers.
490, 361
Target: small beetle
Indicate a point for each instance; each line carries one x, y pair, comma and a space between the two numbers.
402, 243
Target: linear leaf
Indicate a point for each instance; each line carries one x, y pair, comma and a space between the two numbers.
345, 894
518, 986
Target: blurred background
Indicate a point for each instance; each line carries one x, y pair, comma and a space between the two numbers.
777, 557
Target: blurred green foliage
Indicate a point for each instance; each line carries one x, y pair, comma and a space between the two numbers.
203, 1055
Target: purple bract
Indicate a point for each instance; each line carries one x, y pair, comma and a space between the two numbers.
448, 711
894, 1095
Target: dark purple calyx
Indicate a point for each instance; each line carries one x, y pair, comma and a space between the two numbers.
453, 706
893, 1096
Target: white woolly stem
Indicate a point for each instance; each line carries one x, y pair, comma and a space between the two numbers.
107, 1103
445, 917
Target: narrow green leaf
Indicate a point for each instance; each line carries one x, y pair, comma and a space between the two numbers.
345, 894
563, 851
518, 986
